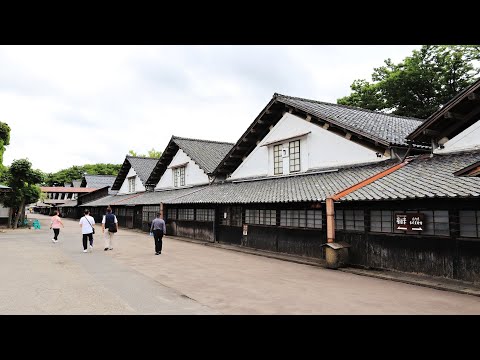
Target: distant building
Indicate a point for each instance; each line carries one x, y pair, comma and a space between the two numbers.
4, 210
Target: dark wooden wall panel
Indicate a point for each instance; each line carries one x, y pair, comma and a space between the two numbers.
229, 234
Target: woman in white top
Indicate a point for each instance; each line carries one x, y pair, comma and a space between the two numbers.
86, 223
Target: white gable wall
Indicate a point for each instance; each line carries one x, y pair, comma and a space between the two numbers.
320, 148
138, 183
468, 138
193, 174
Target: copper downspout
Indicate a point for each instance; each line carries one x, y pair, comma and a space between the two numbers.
335, 197
330, 220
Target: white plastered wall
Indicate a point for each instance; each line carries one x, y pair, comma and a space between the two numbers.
468, 138
193, 174
138, 183
319, 148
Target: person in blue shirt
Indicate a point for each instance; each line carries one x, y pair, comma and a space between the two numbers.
159, 229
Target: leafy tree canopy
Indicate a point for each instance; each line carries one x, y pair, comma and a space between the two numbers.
4, 140
66, 176
24, 183
420, 84
151, 154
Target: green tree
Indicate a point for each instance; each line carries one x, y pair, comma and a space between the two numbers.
151, 154
76, 172
4, 141
419, 84
154, 154
24, 182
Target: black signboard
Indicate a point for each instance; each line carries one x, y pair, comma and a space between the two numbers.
409, 222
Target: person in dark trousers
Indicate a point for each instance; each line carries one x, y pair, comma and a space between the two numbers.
159, 229
55, 225
86, 223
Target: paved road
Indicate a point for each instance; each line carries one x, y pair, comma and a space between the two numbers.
39, 277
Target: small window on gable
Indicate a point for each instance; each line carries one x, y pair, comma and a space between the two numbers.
277, 160
294, 150
179, 176
131, 184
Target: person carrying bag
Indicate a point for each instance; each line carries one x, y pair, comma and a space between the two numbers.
86, 223
109, 223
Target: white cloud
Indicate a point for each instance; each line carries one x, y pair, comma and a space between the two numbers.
73, 105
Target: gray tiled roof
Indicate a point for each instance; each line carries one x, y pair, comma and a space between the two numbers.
99, 181
143, 166
207, 154
143, 198
298, 188
157, 197
105, 201
69, 203
424, 177
390, 128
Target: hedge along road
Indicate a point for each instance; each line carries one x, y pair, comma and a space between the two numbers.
39, 277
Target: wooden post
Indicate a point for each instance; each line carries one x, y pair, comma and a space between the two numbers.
330, 220
215, 214
161, 211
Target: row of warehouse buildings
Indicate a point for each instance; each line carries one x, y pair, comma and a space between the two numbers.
401, 193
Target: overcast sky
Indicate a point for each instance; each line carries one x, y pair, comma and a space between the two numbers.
77, 105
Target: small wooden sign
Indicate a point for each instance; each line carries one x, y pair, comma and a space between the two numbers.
245, 229
410, 222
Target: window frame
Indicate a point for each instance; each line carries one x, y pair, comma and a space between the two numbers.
172, 213
149, 212
205, 214
234, 216
186, 214
265, 217
294, 156
301, 218
476, 225
277, 159
432, 227
353, 216
179, 176
131, 183
382, 221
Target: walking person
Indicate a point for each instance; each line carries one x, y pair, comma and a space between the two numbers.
86, 223
159, 229
110, 224
55, 225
